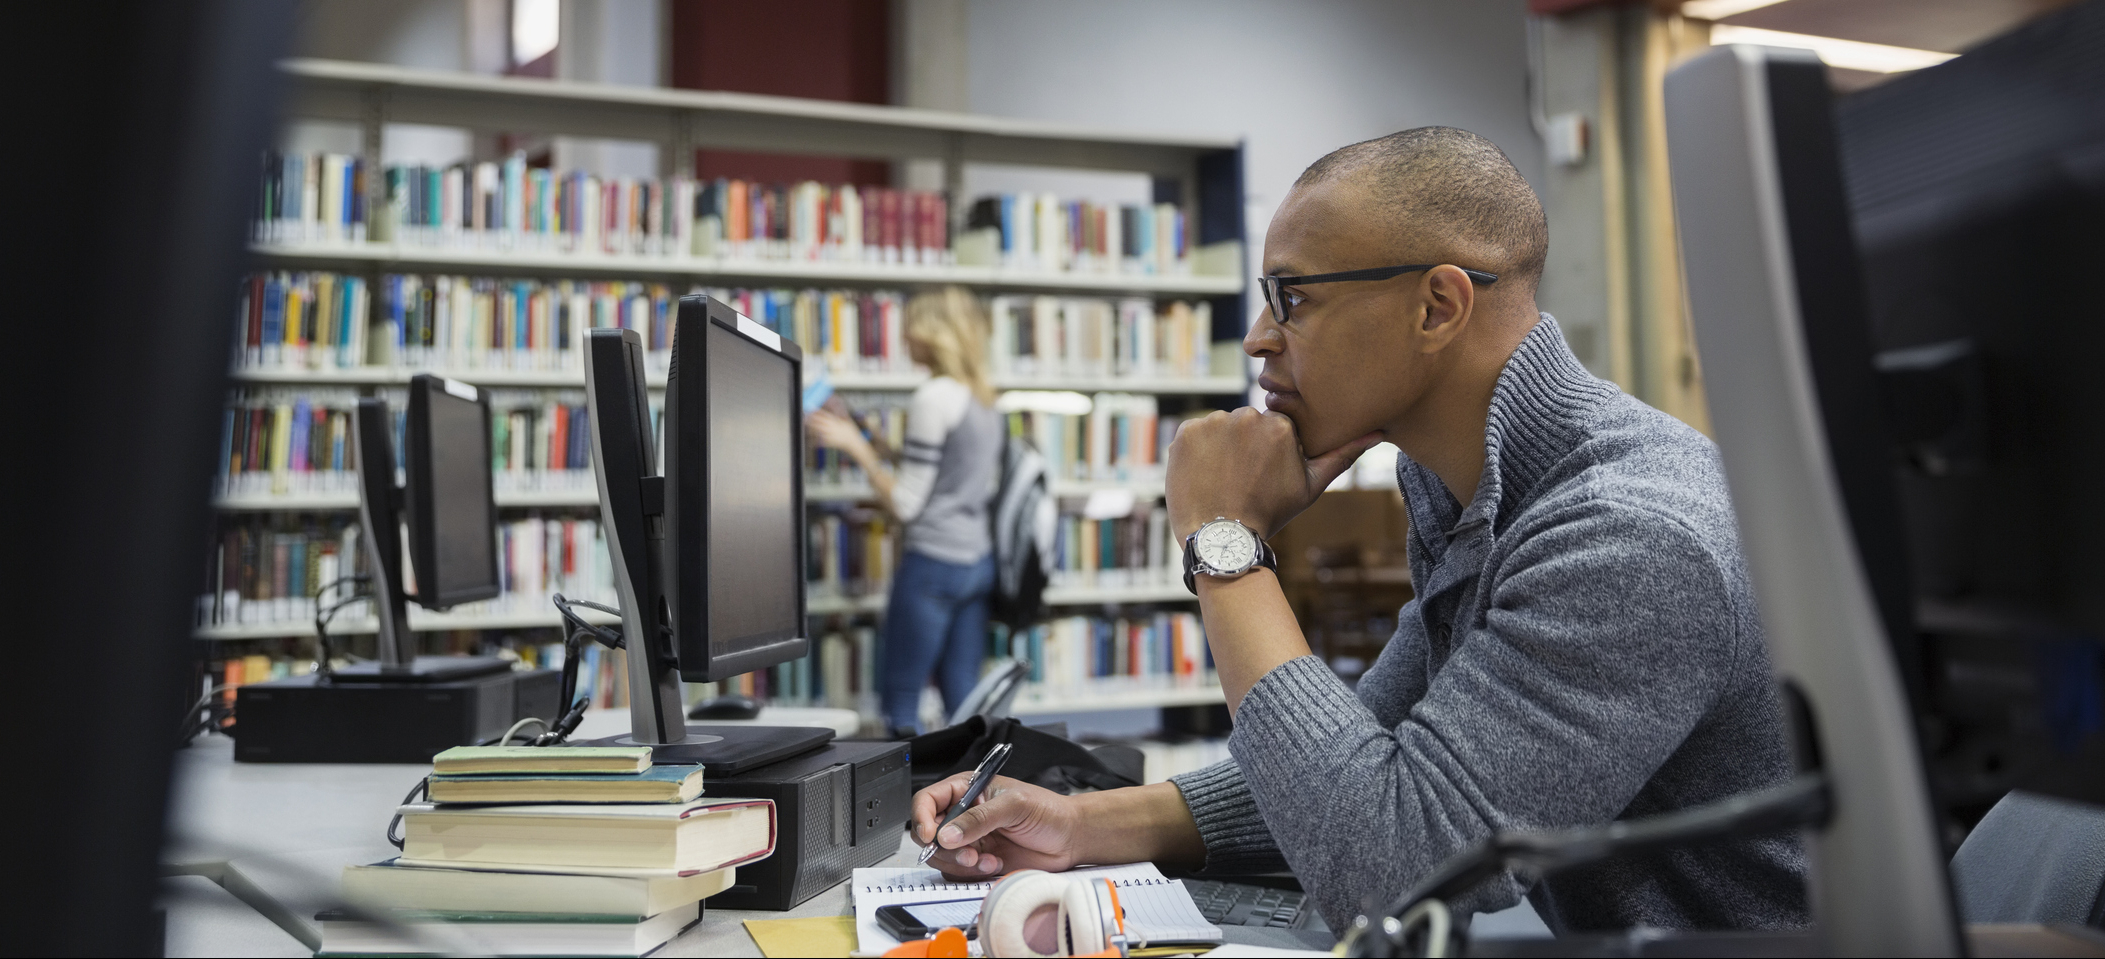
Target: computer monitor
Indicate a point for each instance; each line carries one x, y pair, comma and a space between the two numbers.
451, 518
734, 484
1892, 314
708, 557
1986, 176
451, 508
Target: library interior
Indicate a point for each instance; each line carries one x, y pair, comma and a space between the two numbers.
1145, 477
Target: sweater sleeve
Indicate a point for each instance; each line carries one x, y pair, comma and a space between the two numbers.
937, 408
1607, 637
1235, 835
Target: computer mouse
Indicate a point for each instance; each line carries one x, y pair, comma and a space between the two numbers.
726, 707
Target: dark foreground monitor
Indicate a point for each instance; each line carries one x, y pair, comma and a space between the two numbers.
707, 555
1894, 300
1977, 192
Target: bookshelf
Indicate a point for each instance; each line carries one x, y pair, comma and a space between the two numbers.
1200, 176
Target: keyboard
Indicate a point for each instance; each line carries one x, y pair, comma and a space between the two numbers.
1236, 904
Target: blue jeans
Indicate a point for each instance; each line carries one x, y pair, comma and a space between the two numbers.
935, 622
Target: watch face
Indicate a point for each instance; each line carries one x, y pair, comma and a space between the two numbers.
1226, 546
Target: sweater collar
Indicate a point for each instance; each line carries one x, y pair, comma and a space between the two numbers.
1537, 417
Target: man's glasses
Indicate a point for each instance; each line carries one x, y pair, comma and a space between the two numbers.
1275, 286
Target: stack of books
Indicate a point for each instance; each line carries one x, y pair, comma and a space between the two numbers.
574, 851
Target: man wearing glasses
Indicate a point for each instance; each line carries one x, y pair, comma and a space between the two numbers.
1583, 646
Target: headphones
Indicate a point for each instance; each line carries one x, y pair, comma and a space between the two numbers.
1035, 914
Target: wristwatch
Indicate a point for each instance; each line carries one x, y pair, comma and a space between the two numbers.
1226, 548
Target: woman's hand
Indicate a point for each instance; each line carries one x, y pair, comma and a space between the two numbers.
1015, 826
828, 428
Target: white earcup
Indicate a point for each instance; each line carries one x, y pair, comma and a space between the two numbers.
1021, 916
1081, 919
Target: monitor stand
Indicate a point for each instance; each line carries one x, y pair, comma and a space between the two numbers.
658, 718
723, 750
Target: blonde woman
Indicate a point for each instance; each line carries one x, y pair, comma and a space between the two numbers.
936, 621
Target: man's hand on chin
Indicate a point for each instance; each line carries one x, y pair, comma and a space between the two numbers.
1247, 465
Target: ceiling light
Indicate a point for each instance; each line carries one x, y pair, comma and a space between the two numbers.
1847, 54
1720, 9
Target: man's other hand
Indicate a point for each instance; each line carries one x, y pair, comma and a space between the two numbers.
1248, 466
1015, 825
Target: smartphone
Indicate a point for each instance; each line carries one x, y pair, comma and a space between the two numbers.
922, 919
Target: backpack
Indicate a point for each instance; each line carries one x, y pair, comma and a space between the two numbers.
1023, 517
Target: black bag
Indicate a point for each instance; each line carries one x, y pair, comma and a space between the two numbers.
1035, 757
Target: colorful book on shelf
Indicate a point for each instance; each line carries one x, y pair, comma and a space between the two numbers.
700, 836
425, 933
392, 885
514, 760
1053, 336
1042, 232
268, 568
653, 784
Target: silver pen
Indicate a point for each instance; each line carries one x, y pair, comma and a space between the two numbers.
988, 769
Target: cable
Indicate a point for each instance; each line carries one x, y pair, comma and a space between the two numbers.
323, 669
554, 733
1803, 801
506, 739
422, 790
565, 726
610, 638
1438, 941
191, 724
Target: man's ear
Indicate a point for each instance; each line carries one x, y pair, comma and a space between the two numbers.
1447, 299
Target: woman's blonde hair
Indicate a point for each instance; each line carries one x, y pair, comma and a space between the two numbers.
949, 324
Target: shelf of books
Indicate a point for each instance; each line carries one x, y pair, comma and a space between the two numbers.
338, 329
401, 257
491, 270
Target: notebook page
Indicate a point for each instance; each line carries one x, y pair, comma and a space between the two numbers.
1160, 910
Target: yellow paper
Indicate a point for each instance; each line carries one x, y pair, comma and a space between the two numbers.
817, 936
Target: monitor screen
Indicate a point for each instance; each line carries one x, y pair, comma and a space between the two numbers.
755, 522
453, 535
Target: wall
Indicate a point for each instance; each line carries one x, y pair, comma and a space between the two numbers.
821, 49
1617, 286
431, 34
1296, 80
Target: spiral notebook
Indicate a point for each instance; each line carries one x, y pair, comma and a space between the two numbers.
1158, 909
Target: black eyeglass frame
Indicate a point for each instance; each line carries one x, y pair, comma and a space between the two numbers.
1275, 286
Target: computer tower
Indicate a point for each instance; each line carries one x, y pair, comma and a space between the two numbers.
838, 808
301, 720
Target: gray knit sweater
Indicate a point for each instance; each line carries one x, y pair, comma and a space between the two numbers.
1583, 648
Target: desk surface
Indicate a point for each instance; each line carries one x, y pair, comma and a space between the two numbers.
278, 836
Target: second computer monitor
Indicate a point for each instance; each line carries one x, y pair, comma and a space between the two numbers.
450, 507
733, 554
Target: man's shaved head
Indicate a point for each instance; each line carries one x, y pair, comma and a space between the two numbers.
1449, 192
